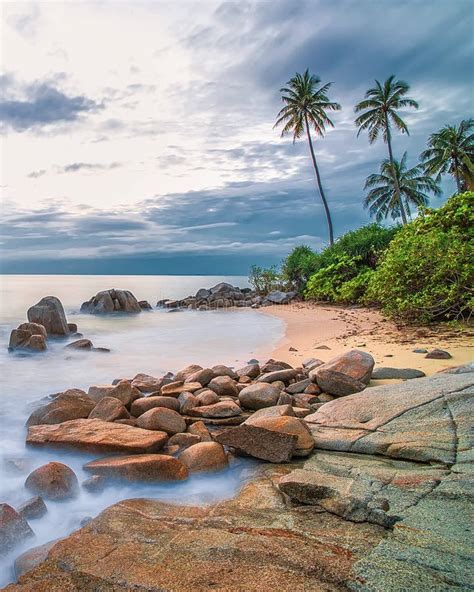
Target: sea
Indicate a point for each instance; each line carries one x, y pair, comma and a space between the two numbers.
153, 342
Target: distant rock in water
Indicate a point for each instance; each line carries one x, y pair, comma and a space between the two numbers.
49, 312
110, 301
29, 337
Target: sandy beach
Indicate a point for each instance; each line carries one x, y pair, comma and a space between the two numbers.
323, 331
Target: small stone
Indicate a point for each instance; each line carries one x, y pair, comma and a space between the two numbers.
438, 354
420, 350
199, 428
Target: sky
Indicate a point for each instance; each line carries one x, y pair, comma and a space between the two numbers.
137, 137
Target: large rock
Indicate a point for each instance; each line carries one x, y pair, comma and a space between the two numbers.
123, 391
140, 406
203, 376
183, 374
224, 386
425, 420
95, 435
149, 384
163, 419
283, 375
259, 442
71, 404
386, 373
345, 374
204, 456
28, 337
110, 301
286, 424
276, 411
174, 389
217, 410
251, 370
278, 297
54, 481
33, 508
109, 409
139, 467
31, 558
14, 529
257, 396
49, 312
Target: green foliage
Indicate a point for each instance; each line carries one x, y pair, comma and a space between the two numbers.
427, 271
300, 264
264, 280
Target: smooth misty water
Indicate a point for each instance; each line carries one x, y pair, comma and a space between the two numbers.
152, 342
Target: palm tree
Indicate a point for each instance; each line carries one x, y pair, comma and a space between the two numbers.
397, 188
380, 112
306, 105
451, 150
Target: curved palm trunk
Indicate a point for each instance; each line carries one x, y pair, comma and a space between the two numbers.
318, 178
395, 179
456, 174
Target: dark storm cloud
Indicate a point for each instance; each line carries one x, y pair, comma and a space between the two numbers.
41, 104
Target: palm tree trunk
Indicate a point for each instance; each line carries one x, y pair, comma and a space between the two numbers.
318, 178
395, 178
456, 174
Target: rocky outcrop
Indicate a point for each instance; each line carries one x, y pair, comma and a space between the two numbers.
54, 481
96, 435
224, 295
49, 312
30, 337
112, 301
425, 420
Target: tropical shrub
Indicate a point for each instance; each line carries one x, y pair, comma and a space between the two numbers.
264, 280
427, 271
300, 264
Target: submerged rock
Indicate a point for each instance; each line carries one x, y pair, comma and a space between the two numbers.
33, 508
71, 404
29, 337
139, 467
14, 529
111, 301
49, 312
54, 481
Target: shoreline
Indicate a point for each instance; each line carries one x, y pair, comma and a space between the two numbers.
324, 331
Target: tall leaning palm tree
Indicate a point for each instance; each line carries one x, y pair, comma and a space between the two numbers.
379, 114
451, 150
397, 187
306, 105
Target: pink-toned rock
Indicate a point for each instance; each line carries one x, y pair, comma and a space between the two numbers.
14, 529
109, 409
345, 374
139, 467
287, 425
162, 419
140, 406
184, 440
218, 410
224, 386
251, 370
259, 395
123, 391
148, 384
71, 404
269, 445
199, 428
279, 375
221, 370
185, 372
203, 376
54, 481
207, 397
174, 389
205, 456
187, 401
95, 435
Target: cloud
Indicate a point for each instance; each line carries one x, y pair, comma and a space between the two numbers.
75, 167
36, 174
42, 104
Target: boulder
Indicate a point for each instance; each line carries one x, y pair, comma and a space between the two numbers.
285, 424
222, 288
28, 337
257, 396
204, 456
221, 370
425, 420
206, 397
31, 558
54, 481
279, 375
384, 373
438, 354
174, 389
111, 301
217, 410
276, 411
49, 312
187, 401
269, 445
203, 376
149, 384
278, 297
123, 391
224, 386
80, 344
33, 508
203, 294
144, 305
109, 409
345, 374
14, 529
95, 484
140, 406
71, 404
251, 370
184, 440
162, 419
95, 435
72, 327
298, 387
139, 467
199, 428
188, 371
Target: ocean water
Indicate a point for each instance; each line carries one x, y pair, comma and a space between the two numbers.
152, 342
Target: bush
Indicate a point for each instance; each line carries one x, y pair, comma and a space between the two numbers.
264, 280
343, 271
427, 271
300, 264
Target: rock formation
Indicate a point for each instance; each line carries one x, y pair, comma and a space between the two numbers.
111, 301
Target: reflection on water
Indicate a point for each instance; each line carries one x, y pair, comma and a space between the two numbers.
152, 342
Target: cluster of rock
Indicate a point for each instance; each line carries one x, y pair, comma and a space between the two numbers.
224, 295
395, 460
45, 319
113, 301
